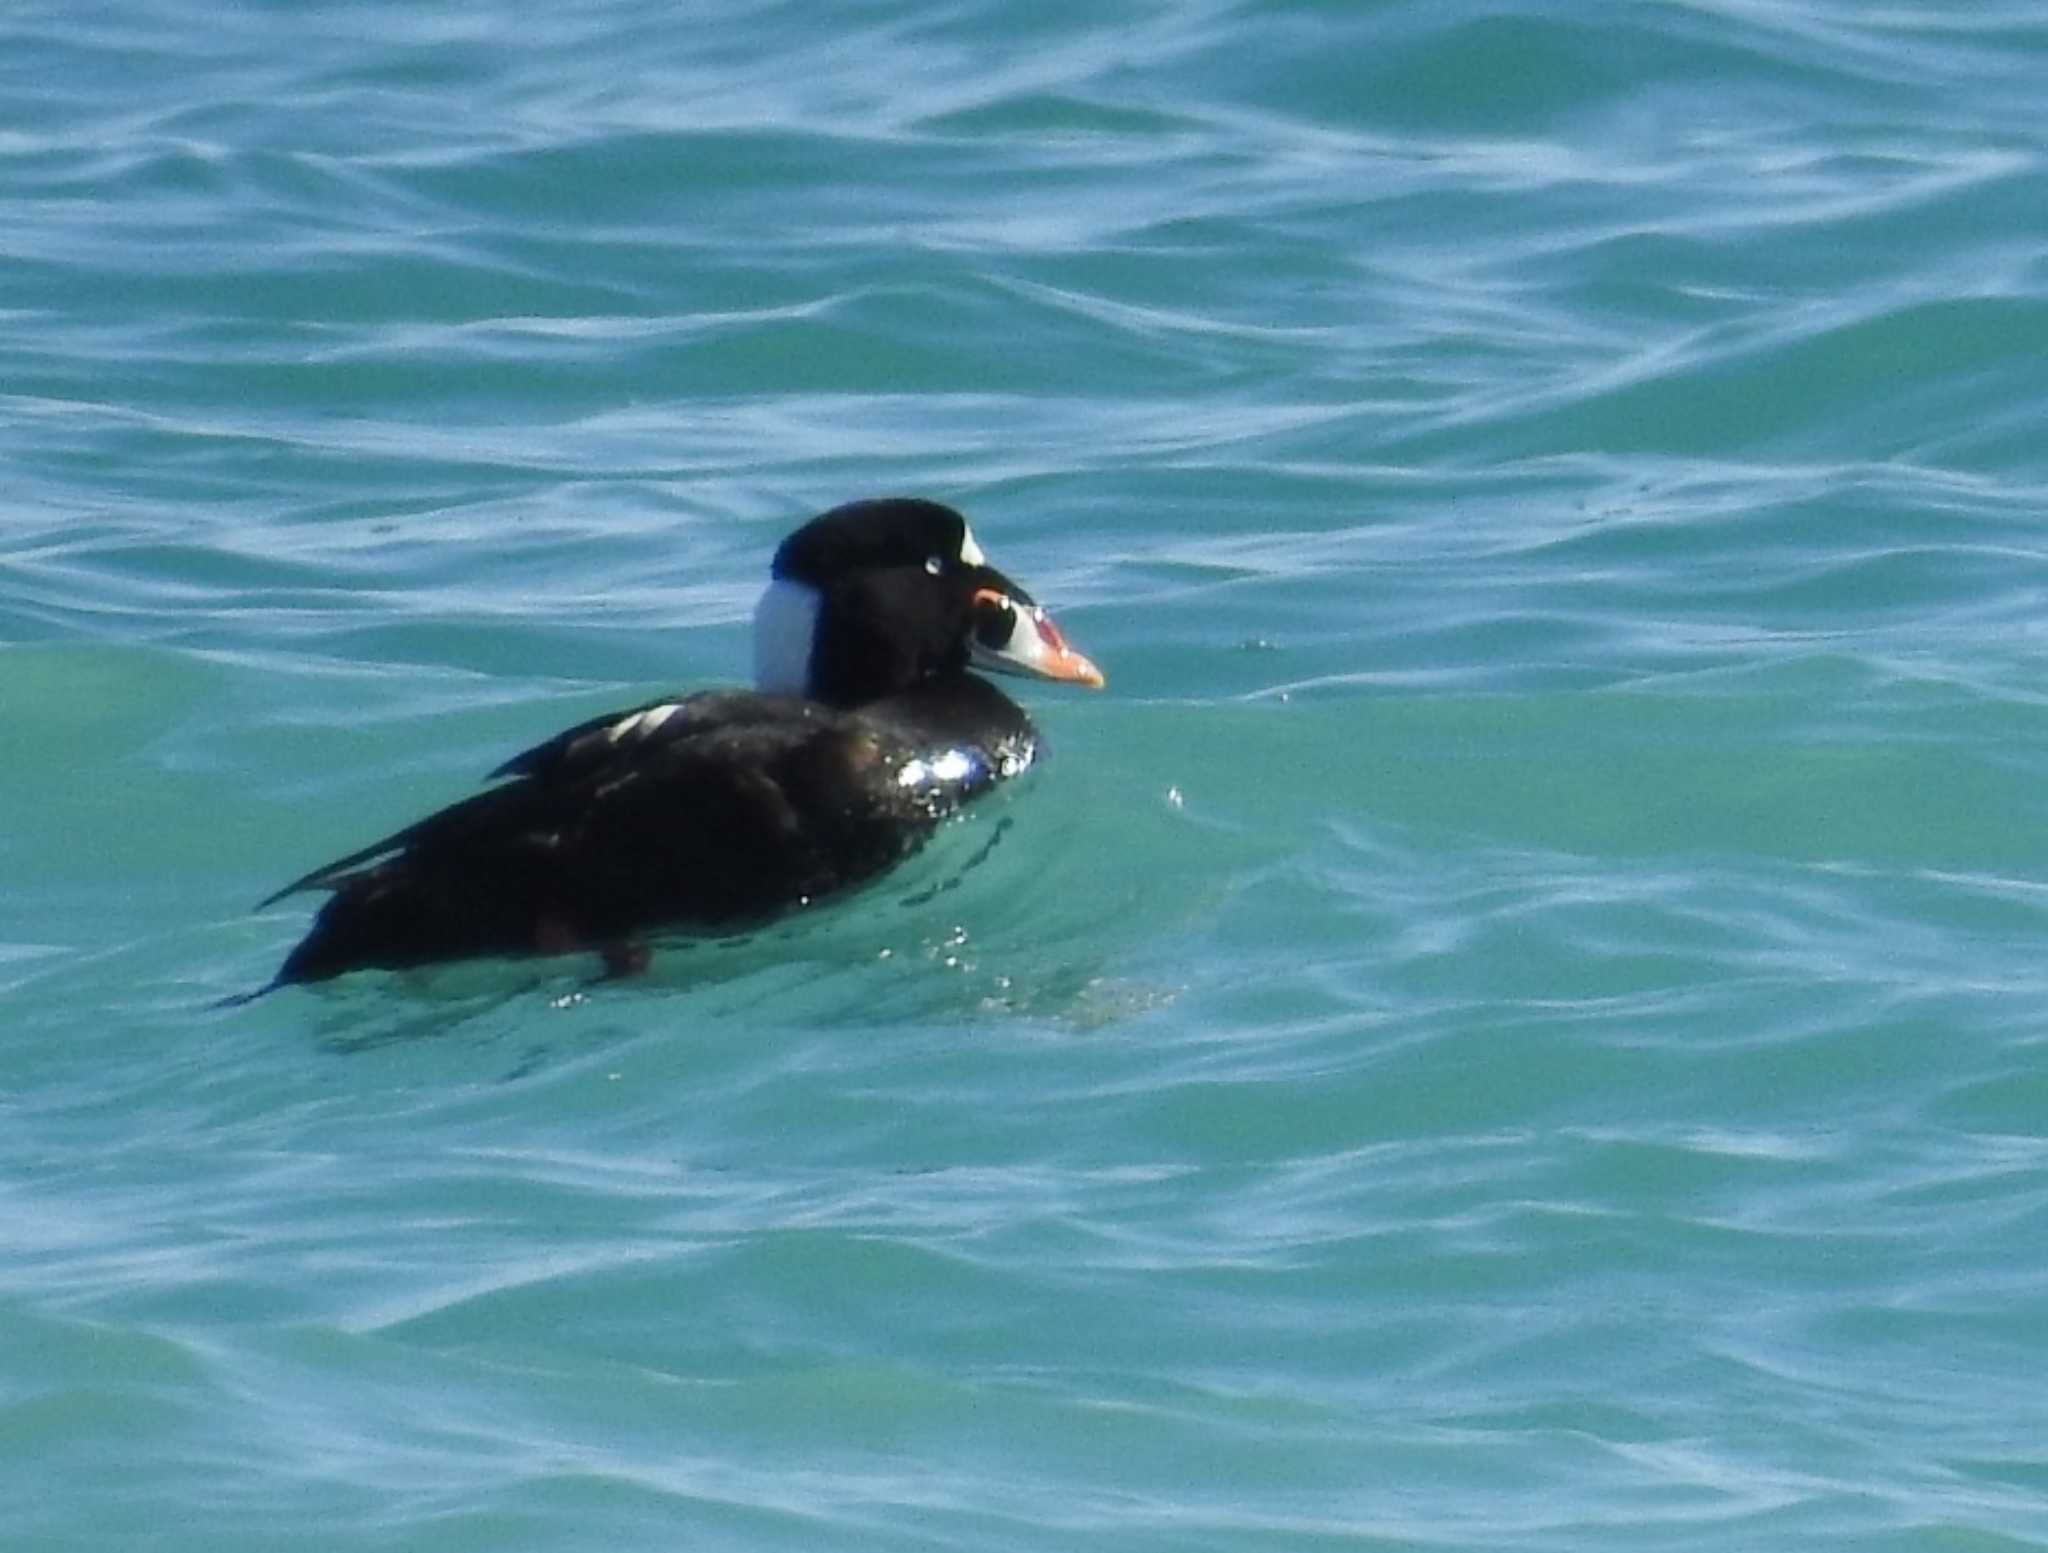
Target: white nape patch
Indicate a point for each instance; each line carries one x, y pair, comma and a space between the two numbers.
785, 625
970, 552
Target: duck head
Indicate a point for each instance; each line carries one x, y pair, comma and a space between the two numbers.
875, 597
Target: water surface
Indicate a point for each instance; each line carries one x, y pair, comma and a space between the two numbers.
1515, 1023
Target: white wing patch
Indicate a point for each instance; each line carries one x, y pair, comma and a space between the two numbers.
642, 723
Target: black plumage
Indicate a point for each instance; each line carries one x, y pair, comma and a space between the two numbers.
715, 811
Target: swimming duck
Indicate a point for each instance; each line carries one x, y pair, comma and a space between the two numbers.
718, 811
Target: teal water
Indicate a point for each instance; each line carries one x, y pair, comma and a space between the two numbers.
1518, 1020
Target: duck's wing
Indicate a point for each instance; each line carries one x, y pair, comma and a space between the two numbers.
578, 761
620, 739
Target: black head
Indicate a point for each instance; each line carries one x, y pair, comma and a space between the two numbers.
887, 531
874, 597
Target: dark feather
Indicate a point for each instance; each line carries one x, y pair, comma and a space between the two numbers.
718, 814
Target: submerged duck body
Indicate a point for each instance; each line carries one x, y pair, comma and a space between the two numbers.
720, 810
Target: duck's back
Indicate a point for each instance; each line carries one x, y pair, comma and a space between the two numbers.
708, 812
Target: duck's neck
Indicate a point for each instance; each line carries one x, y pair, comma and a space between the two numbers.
846, 647
960, 708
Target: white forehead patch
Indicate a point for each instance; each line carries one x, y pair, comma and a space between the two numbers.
970, 552
785, 623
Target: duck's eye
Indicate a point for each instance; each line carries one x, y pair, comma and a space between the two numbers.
934, 565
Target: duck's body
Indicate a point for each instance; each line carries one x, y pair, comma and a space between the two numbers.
715, 811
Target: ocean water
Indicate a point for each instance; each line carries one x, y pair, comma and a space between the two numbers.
1518, 1021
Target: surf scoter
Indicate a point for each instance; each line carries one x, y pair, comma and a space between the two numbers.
719, 810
